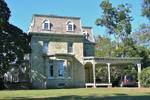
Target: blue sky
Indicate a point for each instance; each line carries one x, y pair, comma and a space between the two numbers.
88, 10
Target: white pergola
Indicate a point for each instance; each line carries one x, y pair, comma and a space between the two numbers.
109, 61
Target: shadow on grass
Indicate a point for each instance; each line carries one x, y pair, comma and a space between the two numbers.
75, 97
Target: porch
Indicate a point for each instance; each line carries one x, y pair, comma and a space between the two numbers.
98, 84
90, 62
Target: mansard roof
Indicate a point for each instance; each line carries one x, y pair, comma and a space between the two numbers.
57, 25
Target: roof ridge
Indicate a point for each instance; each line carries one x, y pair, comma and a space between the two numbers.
87, 27
56, 16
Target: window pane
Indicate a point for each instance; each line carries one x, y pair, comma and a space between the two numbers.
70, 47
45, 47
61, 69
51, 71
70, 27
46, 26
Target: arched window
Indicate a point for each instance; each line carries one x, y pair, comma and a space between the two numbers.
46, 25
70, 26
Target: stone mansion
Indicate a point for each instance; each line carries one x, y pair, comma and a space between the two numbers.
58, 45
63, 53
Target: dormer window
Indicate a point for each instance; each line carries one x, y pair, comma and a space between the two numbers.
46, 25
86, 34
70, 26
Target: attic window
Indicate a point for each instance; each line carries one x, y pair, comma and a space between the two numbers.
70, 26
46, 25
86, 34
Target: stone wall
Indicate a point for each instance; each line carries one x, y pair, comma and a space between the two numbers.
58, 37
40, 64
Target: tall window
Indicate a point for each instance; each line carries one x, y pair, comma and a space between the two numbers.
70, 47
51, 71
61, 69
69, 69
70, 26
46, 25
45, 47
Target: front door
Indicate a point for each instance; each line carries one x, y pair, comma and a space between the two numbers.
88, 74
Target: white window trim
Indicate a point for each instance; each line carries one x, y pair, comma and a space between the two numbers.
69, 23
44, 23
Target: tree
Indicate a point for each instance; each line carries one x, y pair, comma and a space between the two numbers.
14, 43
116, 20
104, 46
146, 8
142, 35
130, 49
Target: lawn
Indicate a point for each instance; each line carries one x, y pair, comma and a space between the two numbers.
79, 94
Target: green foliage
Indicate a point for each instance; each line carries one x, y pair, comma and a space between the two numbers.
101, 74
146, 8
121, 70
116, 72
126, 49
134, 51
116, 19
4, 12
145, 77
104, 46
144, 53
118, 22
142, 35
14, 44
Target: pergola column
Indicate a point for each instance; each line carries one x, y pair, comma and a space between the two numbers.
94, 76
139, 72
108, 67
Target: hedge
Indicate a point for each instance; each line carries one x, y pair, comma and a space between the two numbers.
145, 77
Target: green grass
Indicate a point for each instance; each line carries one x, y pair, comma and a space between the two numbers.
79, 94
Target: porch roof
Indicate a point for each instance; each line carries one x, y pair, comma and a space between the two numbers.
112, 60
58, 54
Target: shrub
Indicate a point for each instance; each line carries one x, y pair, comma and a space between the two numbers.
145, 77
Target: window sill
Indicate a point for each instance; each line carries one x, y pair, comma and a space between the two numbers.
46, 29
61, 77
50, 77
68, 77
71, 53
70, 31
